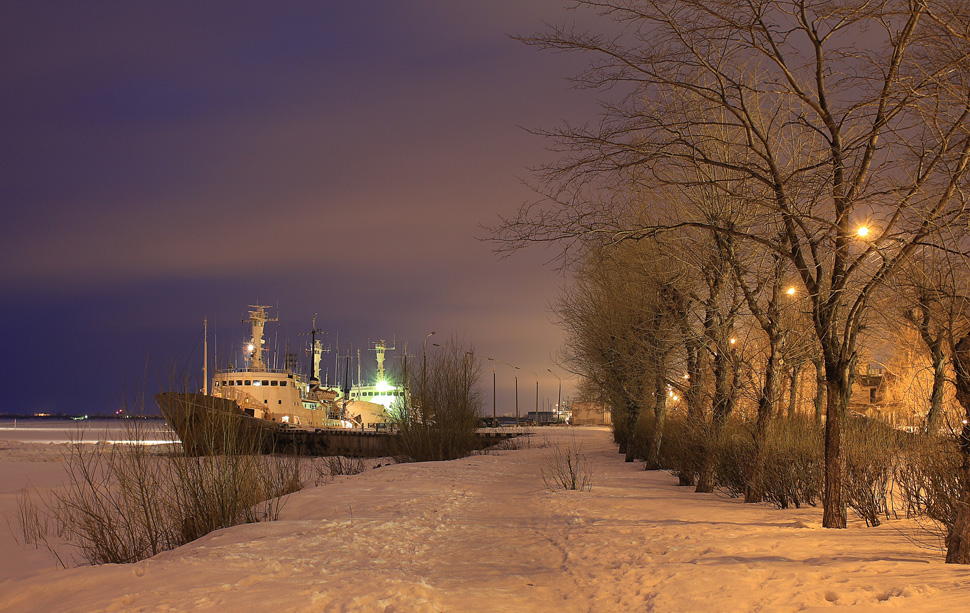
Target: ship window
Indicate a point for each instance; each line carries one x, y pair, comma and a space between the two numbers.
273, 383
265, 382
248, 382
238, 381
265, 401
215, 384
282, 383
254, 382
279, 402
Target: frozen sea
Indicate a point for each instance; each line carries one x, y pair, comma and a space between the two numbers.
149, 431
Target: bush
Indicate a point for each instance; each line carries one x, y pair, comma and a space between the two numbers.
444, 423
929, 482
733, 458
870, 462
127, 502
680, 448
794, 468
568, 469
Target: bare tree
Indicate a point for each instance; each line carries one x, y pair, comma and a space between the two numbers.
828, 116
620, 335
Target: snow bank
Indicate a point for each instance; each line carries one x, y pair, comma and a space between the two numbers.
484, 534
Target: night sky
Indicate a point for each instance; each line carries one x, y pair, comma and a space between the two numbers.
161, 162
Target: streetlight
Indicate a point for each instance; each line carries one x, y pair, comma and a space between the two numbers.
537, 397
494, 417
558, 402
424, 381
515, 371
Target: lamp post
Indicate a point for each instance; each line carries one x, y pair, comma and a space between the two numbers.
558, 402
494, 417
424, 381
515, 372
537, 397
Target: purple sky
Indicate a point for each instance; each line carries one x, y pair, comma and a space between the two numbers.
165, 161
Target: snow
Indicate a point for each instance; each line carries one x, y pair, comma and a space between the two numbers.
485, 534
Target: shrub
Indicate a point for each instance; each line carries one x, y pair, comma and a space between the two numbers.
733, 458
793, 472
680, 448
127, 502
871, 452
443, 424
568, 469
929, 482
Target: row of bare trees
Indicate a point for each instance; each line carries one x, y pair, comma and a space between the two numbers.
745, 148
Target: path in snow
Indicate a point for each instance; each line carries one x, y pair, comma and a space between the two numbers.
484, 534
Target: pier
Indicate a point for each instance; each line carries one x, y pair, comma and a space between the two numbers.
362, 443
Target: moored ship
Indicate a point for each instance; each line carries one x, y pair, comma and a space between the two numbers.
267, 406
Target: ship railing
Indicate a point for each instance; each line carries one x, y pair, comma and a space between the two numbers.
277, 371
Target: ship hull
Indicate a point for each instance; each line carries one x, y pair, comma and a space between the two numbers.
208, 424
212, 425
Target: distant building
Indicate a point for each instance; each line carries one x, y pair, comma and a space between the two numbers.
592, 414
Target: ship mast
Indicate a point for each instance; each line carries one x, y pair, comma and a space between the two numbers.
317, 349
380, 347
258, 319
205, 356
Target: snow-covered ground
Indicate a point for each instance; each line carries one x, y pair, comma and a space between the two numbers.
484, 534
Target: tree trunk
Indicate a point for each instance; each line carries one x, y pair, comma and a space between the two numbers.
838, 389
753, 489
935, 414
958, 536
820, 387
723, 403
632, 417
659, 417
796, 370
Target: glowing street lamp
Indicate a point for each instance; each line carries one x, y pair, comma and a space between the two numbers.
863, 231
791, 291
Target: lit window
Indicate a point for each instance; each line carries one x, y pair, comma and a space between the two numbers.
254, 382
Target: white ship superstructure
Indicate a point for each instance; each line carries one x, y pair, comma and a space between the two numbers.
277, 395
